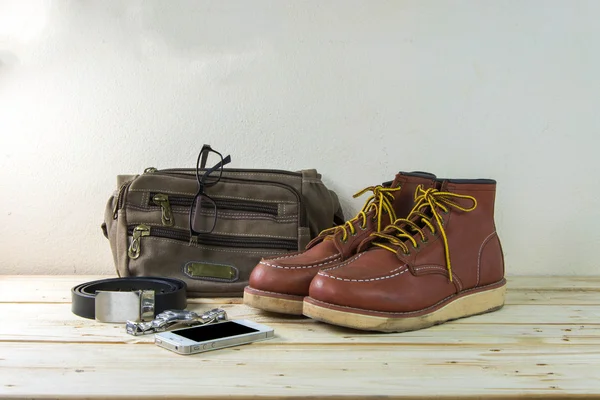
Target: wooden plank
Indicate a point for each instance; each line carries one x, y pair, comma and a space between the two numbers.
552, 297
513, 296
57, 289
510, 314
550, 325
261, 371
565, 283
545, 342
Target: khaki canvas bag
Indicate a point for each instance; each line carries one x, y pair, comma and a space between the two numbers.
260, 213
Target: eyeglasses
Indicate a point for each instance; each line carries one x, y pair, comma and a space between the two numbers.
203, 214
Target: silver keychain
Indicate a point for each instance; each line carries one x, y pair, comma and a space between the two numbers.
169, 318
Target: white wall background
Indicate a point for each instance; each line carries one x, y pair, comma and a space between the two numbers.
508, 90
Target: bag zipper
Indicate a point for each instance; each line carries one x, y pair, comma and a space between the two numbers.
142, 230
120, 198
190, 173
136, 244
166, 201
162, 200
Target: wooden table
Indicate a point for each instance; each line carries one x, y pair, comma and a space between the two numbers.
544, 342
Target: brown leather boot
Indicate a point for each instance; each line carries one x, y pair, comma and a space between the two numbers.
279, 284
441, 263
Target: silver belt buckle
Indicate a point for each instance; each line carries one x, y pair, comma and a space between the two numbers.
120, 307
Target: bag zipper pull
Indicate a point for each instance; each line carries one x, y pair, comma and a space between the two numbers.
116, 208
136, 244
118, 200
150, 170
162, 200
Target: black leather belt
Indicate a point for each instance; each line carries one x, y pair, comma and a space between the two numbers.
128, 299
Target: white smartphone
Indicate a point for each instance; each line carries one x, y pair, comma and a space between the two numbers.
198, 339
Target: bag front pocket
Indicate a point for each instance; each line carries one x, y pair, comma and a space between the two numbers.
138, 232
217, 265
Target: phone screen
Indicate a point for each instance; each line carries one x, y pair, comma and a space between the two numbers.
214, 331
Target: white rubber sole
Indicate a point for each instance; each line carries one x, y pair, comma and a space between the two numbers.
464, 306
253, 298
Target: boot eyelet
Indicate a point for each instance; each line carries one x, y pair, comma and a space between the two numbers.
416, 247
406, 253
362, 228
424, 240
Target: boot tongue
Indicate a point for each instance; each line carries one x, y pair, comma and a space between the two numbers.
400, 179
409, 181
441, 185
402, 175
437, 184
427, 209
420, 174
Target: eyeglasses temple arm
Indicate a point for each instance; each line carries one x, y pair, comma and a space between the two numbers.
204, 157
219, 165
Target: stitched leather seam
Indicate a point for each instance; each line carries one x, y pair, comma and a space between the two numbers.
297, 254
300, 266
162, 191
480, 252
312, 180
256, 235
367, 280
252, 217
145, 198
431, 267
343, 264
443, 269
473, 189
460, 285
281, 258
411, 312
265, 174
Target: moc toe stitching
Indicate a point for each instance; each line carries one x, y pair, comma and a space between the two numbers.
282, 257
348, 261
337, 258
379, 278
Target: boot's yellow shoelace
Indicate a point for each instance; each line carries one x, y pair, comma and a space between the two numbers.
381, 201
437, 202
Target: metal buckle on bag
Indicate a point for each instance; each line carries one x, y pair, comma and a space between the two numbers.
120, 307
